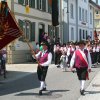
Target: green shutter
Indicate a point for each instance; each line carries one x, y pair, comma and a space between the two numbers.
32, 31
21, 26
44, 5
32, 3
21, 2
37, 4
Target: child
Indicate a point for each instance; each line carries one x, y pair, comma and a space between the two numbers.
63, 61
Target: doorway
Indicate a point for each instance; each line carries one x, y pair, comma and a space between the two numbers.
41, 30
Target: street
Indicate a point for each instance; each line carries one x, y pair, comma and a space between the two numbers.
60, 86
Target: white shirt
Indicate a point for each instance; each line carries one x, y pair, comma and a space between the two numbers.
88, 57
48, 62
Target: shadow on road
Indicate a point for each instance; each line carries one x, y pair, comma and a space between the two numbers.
48, 92
22, 84
92, 92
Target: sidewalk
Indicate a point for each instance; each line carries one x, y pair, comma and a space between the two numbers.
93, 90
16, 71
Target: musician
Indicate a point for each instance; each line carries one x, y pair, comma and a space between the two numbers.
44, 58
81, 60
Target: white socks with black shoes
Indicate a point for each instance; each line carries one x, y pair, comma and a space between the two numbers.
82, 82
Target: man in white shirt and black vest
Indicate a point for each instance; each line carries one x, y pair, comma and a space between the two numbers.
81, 60
44, 57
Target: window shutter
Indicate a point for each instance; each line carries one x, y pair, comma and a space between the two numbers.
57, 31
44, 5
21, 2
32, 34
32, 3
37, 4
21, 26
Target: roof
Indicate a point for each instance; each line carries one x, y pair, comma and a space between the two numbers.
94, 4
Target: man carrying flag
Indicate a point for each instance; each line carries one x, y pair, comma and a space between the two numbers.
81, 60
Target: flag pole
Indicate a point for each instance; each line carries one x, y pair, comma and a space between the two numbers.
33, 52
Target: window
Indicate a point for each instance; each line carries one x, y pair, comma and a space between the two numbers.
86, 35
41, 5
84, 0
57, 31
83, 34
32, 34
80, 13
32, 3
44, 5
21, 2
20, 22
72, 33
71, 11
86, 16
28, 29
50, 31
80, 37
90, 18
97, 12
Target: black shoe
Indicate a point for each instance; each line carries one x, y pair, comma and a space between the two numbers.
58, 66
44, 89
82, 92
40, 92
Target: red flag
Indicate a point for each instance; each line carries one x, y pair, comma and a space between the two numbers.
9, 29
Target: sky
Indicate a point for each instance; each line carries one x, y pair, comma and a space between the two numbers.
98, 1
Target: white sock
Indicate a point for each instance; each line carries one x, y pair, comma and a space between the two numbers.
42, 85
82, 84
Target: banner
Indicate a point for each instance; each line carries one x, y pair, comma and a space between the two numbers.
9, 29
55, 12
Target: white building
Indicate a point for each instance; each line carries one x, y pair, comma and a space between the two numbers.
78, 19
35, 22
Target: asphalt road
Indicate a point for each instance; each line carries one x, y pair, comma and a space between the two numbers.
60, 85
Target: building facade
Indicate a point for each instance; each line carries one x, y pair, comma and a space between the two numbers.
33, 24
78, 20
97, 20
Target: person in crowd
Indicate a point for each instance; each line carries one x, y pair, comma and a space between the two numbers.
37, 47
57, 52
70, 51
3, 56
81, 60
44, 57
63, 61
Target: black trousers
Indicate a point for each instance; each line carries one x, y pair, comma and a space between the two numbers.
81, 73
42, 72
57, 57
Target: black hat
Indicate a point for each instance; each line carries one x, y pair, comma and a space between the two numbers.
45, 43
82, 42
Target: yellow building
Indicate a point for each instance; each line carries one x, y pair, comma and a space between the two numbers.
97, 21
